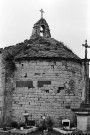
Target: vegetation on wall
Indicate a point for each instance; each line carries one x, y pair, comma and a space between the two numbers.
9, 62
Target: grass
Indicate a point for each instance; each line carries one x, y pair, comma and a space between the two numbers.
49, 133
34, 133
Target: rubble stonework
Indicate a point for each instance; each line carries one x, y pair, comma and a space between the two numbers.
2, 88
41, 76
44, 91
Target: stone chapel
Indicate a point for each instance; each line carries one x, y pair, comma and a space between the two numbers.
41, 76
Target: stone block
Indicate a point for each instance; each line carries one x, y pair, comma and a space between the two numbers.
86, 122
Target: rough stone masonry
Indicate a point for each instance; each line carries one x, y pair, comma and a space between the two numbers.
41, 76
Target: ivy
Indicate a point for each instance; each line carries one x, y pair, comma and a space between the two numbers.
9, 62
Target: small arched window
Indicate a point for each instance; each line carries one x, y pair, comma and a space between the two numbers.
42, 30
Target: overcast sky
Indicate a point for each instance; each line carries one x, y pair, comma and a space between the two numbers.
69, 21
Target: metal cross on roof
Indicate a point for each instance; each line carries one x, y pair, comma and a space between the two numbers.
41, 13
86, 46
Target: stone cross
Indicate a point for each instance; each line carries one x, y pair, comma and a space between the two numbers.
86, 46
87, 93
41, 13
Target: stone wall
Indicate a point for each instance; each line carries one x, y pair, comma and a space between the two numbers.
52, 88
7, 88
1, 89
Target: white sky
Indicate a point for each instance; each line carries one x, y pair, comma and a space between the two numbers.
69, 21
